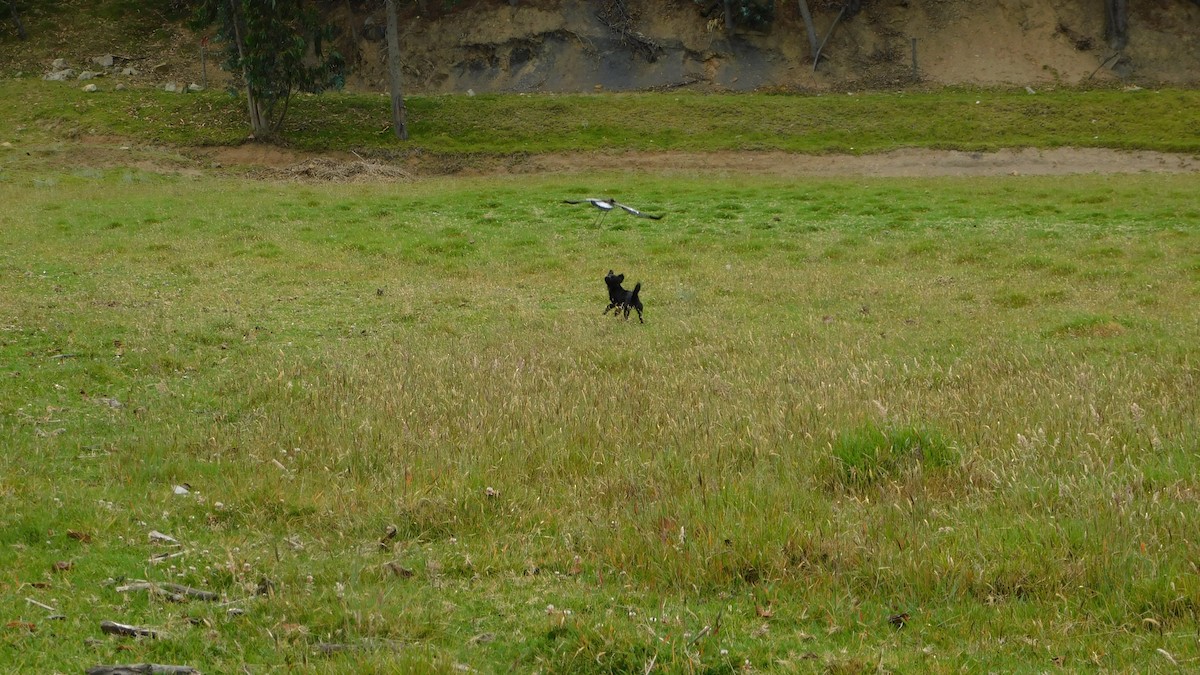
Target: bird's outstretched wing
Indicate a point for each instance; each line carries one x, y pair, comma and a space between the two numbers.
637, 213
604, 204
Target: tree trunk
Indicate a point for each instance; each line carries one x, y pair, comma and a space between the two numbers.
808, 26
1117, 26
729, 17
399, 113
259, 125
17, 18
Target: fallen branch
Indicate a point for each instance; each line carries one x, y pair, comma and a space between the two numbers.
1102, 64
712, 629
46, 607
333, 647
155, 535
685, 82
699, 636
142, 669
172, 592
114, 628
616, 16
817, 56
329, 648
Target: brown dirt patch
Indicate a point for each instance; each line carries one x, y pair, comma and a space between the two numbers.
268, 162
909, 162
330, 170
281, 164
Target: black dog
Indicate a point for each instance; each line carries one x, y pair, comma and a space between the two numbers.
620, 298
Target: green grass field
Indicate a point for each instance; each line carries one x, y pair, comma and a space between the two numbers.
411, 442
974, 120
973, 401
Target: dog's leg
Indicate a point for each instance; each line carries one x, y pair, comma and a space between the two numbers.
639, 309
610, 306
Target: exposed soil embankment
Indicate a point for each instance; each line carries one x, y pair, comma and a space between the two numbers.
547, 45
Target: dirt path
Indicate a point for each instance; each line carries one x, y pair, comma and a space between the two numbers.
272, 162
911, 162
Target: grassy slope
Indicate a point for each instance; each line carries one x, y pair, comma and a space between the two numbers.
1036, 338
967, 120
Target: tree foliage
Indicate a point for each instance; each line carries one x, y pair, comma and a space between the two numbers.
273, 48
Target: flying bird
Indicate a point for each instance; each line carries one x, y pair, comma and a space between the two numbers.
606, 205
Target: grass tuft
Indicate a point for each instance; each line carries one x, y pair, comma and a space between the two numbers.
868, 455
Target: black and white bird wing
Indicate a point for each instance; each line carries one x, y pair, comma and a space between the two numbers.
637, 213
603, 204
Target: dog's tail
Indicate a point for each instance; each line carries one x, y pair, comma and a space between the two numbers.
636, 288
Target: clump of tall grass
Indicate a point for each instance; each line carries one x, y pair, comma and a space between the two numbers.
871, 454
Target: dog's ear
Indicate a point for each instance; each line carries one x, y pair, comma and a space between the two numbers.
620, 278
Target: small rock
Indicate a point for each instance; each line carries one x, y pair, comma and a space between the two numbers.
193, 88
1029, 89
171, 87
470, 92
120, 87
59, 75
6, 144
129, 70
91, 88
105, 61
59, 64
182, 489
88, 74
